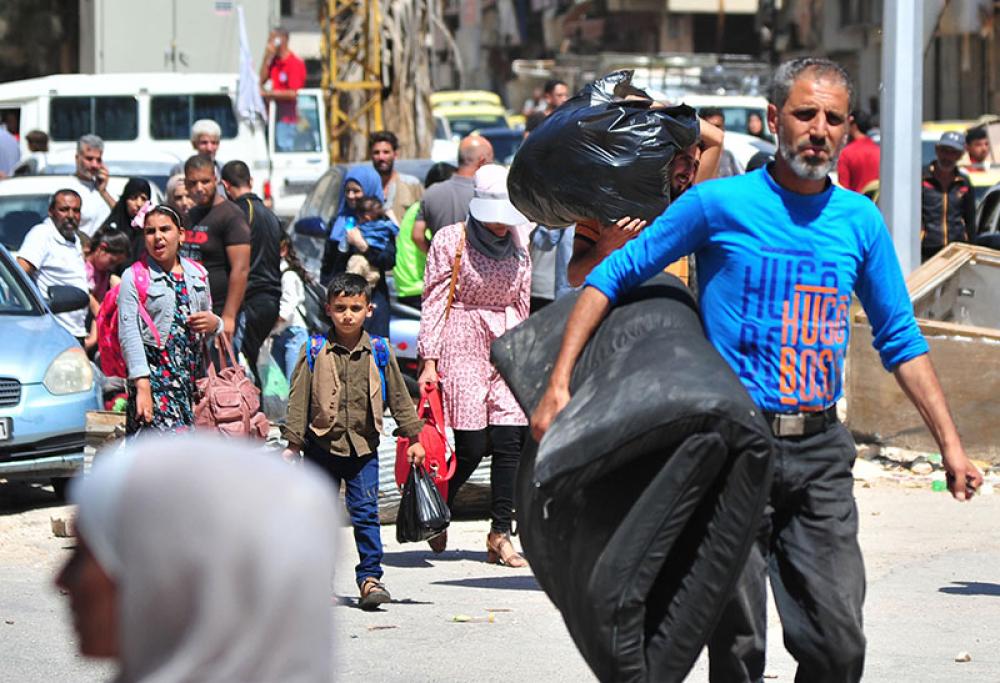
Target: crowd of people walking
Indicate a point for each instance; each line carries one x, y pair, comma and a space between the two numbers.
213, 261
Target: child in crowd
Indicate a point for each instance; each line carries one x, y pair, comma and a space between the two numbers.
374, 231
107, 251
164, 359
335, 412
290, 332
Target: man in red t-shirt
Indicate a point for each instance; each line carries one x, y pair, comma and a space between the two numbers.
287, 73
858, 163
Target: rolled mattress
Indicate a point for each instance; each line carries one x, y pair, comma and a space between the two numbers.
640, 506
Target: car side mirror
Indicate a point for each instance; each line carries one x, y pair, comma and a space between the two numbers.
311, 226
64, 298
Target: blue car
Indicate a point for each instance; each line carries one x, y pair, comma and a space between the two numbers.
47, 384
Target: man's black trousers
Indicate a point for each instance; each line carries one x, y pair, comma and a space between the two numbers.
808, 546
260, 313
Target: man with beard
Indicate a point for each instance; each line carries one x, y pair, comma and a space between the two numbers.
217, 237
52, 255
592, 241
91, 183
977, 145
780, 251
554, 94
947, 202
400, 190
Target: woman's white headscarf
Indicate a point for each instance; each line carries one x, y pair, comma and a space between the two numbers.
223, 558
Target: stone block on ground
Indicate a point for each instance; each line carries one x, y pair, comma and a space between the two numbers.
63, 526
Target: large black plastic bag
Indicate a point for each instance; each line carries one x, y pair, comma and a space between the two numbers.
641, 504
423, 513
598, 156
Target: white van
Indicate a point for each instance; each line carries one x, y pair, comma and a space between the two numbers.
153, 112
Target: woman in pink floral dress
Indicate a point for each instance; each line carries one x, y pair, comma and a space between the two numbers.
491, 295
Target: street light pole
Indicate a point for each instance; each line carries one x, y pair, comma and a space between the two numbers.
902, 98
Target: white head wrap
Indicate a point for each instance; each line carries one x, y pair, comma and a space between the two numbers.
223, 558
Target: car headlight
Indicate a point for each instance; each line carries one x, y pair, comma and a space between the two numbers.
69, 373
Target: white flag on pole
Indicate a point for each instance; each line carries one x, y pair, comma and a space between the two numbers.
249, 103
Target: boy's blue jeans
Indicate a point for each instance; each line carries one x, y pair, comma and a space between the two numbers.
360, 475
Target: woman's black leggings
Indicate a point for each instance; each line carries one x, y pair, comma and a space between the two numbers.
504, 443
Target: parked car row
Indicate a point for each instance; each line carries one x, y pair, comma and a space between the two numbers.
47, 384
24, 202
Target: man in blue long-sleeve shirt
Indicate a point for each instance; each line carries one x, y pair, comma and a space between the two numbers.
779, 252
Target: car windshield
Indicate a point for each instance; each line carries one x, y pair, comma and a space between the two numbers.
505, 146
14, 296
460, 127
927, 153
18, 214
736, 117
156, 173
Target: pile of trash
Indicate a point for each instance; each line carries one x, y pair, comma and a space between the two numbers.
913, 469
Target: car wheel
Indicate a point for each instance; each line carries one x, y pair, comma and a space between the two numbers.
59, 485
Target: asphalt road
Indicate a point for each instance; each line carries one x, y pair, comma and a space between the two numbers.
933, 591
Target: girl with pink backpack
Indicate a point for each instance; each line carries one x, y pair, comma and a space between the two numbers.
164, 310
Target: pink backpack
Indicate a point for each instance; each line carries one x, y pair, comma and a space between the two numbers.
108, 344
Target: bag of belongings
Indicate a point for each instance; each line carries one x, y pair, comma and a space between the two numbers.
601, 156
640, 506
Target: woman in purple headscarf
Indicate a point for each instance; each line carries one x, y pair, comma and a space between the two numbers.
360, 181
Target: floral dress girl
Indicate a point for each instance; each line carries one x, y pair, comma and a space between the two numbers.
172, 371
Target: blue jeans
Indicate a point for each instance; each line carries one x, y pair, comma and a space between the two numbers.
361, 476
286, 348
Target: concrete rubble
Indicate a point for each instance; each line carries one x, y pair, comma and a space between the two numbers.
912, 469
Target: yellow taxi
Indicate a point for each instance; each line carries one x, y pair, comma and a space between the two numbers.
470, 110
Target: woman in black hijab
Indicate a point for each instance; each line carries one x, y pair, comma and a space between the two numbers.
136, 193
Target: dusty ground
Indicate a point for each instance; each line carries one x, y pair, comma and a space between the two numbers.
933, 591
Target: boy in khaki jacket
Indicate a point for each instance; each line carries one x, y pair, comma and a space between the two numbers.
335, 419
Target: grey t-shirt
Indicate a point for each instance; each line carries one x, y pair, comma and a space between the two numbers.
446, 203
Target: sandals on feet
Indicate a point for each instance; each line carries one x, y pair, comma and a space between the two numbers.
500, 550
439, 543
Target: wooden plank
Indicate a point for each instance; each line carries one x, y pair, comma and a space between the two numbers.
103, 426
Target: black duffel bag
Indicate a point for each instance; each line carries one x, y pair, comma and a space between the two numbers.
600, 157
640, 507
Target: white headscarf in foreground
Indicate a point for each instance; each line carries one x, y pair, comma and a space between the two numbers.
223, 557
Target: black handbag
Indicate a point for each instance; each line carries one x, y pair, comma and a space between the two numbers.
423, 514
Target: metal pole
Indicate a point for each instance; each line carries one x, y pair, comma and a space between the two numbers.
902, 107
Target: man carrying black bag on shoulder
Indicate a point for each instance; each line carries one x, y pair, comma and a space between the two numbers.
780, 251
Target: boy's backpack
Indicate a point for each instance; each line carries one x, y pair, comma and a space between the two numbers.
227, 401
380, 349
108, 344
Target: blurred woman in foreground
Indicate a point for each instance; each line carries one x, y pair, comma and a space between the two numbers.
203, 559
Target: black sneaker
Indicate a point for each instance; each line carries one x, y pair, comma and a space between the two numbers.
373, 594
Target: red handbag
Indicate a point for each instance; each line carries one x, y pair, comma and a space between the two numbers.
432, 437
